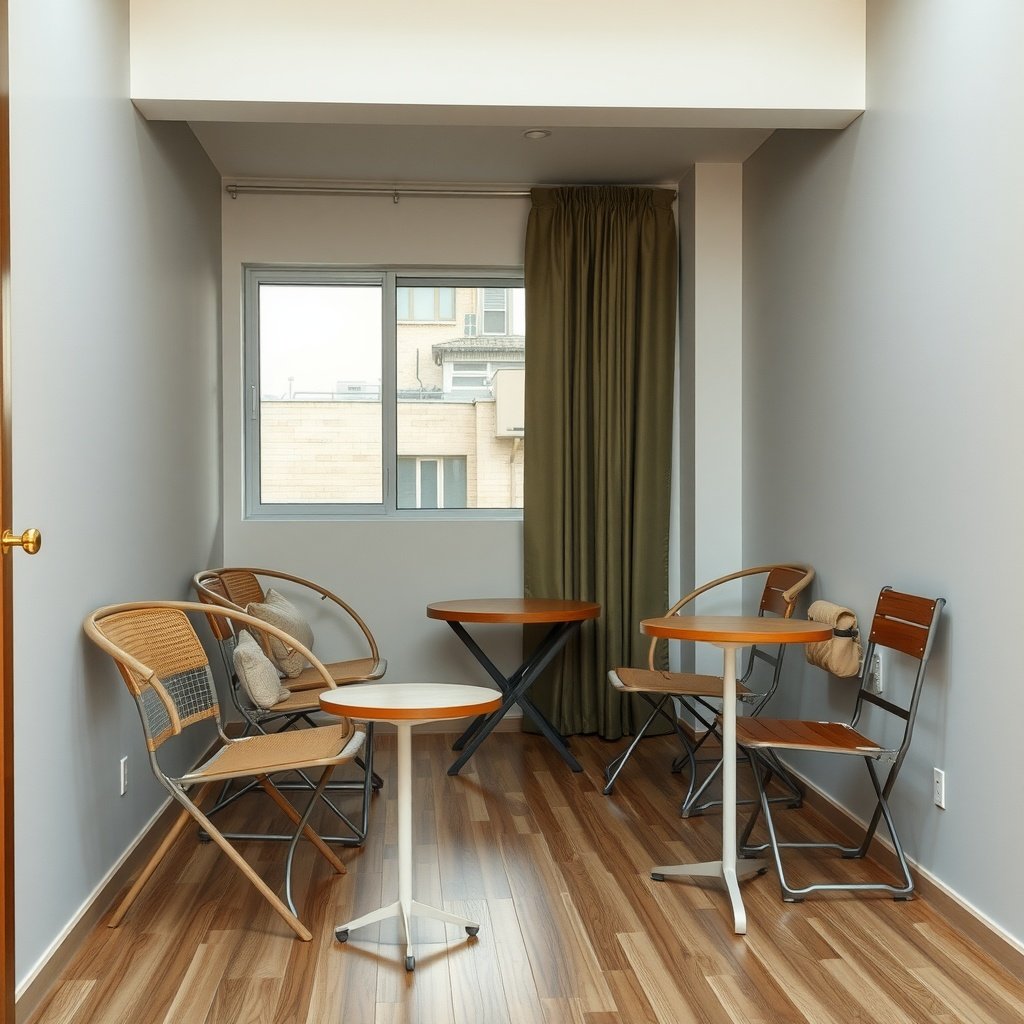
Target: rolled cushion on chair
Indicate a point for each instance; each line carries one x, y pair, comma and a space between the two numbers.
841, 655
280, 612
257, 673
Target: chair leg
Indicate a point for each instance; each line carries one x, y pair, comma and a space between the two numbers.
151, 865
612, 769
359, 831
903, 891
789, 895
691, 806
303, 828
743, 845
328, 854
287, 915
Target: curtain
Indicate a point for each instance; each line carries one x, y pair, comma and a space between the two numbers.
600, 274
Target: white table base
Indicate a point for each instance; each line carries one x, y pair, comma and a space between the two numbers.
726, 868
405, 907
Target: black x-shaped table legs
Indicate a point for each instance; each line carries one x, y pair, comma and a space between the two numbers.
514, 691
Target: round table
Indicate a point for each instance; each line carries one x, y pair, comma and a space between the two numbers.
405, 705
730, 633
562, 615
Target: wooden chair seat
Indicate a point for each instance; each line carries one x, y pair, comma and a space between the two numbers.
665, 692
355, 670
689, 684
903, 623
828, 737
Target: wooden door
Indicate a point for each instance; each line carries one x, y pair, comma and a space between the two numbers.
6, 674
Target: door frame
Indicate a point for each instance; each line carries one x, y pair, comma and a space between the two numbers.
6, 661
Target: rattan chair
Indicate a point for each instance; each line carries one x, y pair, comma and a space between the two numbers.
167, 671
902, 623
659, 688
238, 588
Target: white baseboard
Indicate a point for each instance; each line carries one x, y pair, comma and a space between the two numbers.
995, 939
87, 915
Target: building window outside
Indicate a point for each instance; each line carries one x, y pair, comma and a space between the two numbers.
495, 305
432, 482
351, 376
425, 305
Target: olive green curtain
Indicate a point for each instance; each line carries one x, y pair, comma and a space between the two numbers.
600, 274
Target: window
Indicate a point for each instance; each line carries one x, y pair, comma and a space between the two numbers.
366, 394
437, 482
425, 305
495, 304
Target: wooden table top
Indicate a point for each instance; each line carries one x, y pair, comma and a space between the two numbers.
514, 609
736, 629
395, 702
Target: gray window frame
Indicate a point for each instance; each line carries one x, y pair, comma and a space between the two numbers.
389, 279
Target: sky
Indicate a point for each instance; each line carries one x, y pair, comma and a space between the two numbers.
340, 332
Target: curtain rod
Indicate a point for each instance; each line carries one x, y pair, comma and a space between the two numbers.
395, 193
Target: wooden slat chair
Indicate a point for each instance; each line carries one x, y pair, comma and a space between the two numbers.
903, 623
237, 588
166, 670
657, 687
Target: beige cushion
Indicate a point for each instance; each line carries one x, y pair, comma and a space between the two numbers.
256, 673
280, 612
841, 655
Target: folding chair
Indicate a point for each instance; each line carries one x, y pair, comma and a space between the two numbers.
902, 623
783, 585
239, 589
166, 670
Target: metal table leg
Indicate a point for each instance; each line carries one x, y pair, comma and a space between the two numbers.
514, 688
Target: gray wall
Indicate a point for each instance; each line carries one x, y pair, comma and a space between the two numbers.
116, 263
389, 571
882, 403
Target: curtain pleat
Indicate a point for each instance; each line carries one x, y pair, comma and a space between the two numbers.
600, 272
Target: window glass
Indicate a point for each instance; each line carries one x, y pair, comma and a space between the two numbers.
425, 305
320, 394
351, 411
495, 310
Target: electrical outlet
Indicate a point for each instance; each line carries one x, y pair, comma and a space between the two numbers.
875, 674
124, 775
939, 787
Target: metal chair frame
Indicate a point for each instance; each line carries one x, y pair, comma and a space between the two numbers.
904, 623
226, 588
777, 597
167, 672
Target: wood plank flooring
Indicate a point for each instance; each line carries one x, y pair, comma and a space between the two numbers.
574, 931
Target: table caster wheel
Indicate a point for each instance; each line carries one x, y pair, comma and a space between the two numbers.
761, 871
341, 934
657, 876
410, 963
472, 929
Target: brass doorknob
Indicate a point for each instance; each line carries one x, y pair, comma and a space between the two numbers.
30, 540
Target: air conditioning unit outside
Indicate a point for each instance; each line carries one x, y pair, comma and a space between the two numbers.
509, 402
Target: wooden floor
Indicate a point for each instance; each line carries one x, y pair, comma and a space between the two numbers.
573, 928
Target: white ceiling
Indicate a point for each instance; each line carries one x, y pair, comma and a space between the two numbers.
463, 154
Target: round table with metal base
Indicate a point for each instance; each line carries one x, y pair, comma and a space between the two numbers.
405, 705
729, 632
